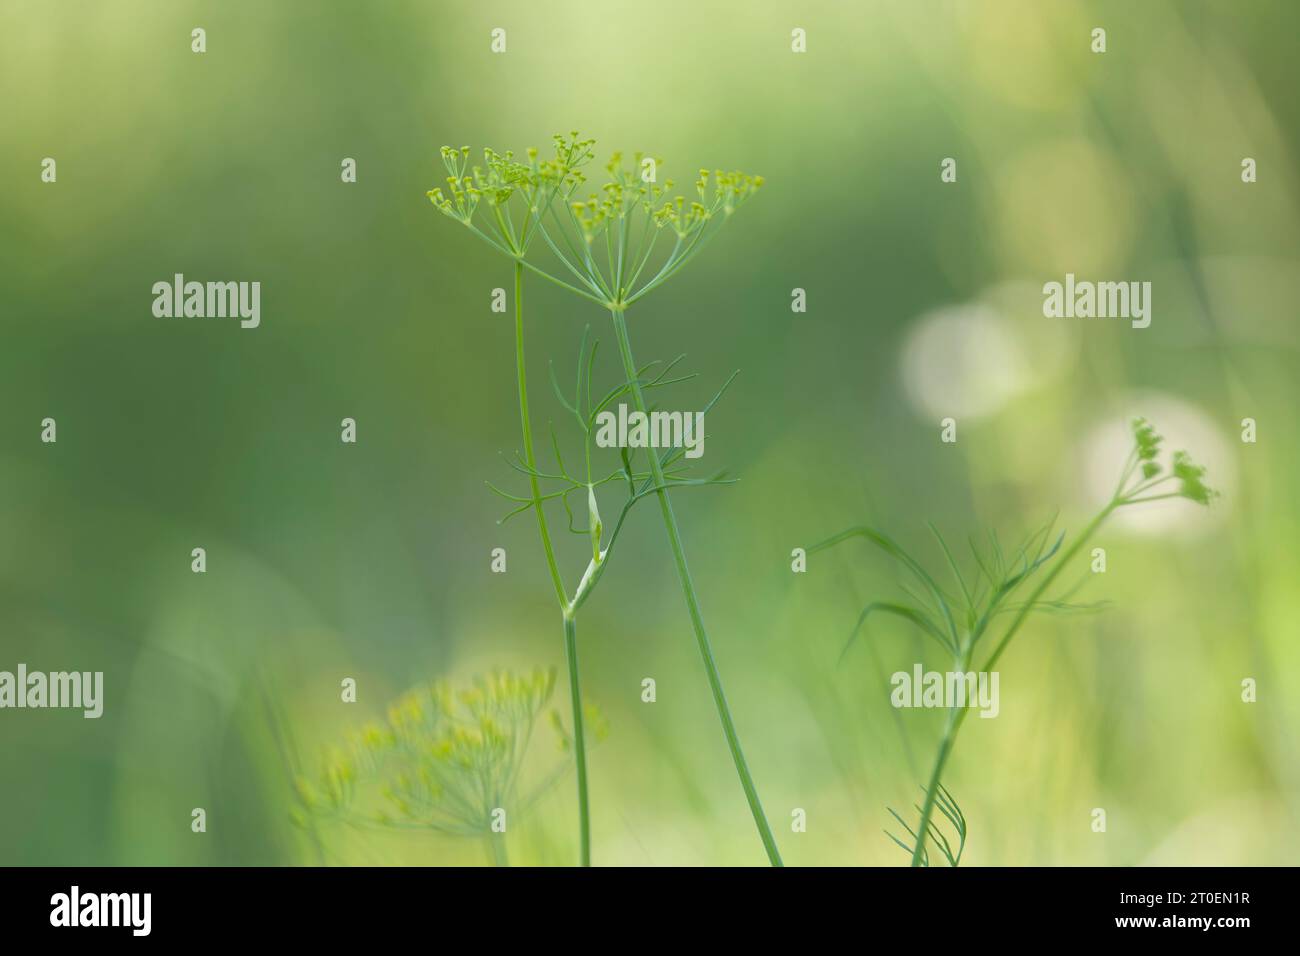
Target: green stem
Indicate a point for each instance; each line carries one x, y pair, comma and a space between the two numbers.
956, 715
496, 845
693, 606
579, 739
570, 627
527, 427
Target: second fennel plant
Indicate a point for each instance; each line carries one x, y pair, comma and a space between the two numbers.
608, 243
962, 623
441, 760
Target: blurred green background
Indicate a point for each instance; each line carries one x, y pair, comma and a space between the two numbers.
328, 560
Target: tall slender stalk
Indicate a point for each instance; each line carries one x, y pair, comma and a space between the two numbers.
496, 847
579, 738
693, 607
570, 625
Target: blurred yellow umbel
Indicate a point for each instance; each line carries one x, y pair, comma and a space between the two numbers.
443, 760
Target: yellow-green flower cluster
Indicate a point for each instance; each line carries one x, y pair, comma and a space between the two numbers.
727, 193
605, 238
506, 696
440, 759
565, 170
1147, 443
494, 182
332, 793
1190, 477
460, 185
